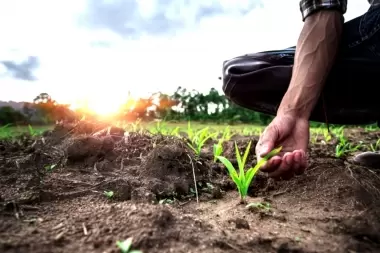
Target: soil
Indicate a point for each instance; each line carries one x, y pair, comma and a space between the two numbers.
52, 197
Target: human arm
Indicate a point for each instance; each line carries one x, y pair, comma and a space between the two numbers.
316, 51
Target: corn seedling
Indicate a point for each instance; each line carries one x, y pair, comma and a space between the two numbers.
375, 147
227, 134
246, 131
190, 132
243, 179
218, 149
199, 139
344, 147
338, 131
136, 126
162, 128
125, 246
32, 132
326, 135
5, 131
50, 168
371, 128
109, 194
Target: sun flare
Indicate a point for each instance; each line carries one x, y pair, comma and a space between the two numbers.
100, 107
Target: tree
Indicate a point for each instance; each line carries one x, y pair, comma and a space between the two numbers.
8, 115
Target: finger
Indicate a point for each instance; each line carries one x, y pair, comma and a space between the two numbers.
297, 160
300, 161
284, 167
267, 141
272, 164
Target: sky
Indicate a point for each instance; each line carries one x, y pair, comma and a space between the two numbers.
101, 49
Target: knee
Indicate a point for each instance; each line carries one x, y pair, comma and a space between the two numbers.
256, 69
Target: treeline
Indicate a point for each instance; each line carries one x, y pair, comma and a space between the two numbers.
182, 105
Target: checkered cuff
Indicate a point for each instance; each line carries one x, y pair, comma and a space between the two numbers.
308, 7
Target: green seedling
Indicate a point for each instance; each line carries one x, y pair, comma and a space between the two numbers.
109, 194
371, 128
50, 167
218, 149
227, 134
243, 179
344, 147
199, 139
190, 132
31, 131
375, 147
125, 246
165, 201
326, 135
162, 128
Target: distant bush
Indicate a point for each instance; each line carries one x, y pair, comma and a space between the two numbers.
9, 115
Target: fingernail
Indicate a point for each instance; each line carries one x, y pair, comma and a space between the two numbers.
288, 160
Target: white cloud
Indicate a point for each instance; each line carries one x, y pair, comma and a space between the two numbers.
72, 68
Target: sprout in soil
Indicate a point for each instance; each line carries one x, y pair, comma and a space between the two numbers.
244, 179
125, 246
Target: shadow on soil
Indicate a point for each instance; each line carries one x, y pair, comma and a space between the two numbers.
52, 198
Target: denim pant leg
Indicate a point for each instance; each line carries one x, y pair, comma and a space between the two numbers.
258, 81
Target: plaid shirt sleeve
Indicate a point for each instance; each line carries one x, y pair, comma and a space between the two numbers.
308, 7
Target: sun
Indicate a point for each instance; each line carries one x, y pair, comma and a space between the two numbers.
105, 107
101, 107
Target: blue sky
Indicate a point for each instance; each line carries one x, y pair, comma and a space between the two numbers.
104, 48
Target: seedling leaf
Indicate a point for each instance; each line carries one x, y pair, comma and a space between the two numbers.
125, 245
231, 169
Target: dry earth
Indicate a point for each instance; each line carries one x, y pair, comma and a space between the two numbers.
52, 197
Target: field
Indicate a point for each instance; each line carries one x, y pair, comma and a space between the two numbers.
84, 187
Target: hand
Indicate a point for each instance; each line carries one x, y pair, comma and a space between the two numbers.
292, 133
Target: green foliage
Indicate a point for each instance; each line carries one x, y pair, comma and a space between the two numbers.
199, 138
108, 194
9, 115
125, 246
343, 147
243, 179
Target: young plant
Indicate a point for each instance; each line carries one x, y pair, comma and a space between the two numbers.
125, 246
244, 178
109, 194
5, 131
199, 139
190, 132
164, 129
50, 168
344, 147
326, 135
218, 149
375, 147
371, 128
32, 132
227, 134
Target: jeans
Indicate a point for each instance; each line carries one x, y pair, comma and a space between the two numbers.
351, 93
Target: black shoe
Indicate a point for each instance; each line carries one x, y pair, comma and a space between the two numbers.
368, 159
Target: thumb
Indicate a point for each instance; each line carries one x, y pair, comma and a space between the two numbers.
267, 142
